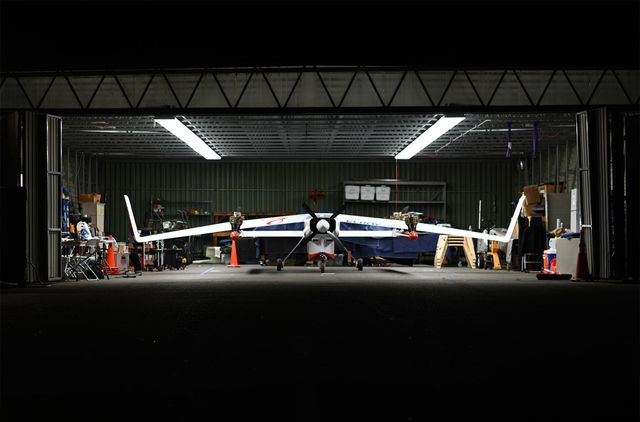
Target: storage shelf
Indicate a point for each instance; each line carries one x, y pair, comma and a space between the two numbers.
393, 182
391, 201
415, 192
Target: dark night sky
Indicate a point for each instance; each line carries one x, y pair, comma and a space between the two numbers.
97, 35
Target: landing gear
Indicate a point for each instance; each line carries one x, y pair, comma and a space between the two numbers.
279, 264
359, 264
321, 263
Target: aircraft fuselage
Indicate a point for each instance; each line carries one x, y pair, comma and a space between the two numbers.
321, 244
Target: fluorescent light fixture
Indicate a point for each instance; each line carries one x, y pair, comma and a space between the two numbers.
435, 131
176, 127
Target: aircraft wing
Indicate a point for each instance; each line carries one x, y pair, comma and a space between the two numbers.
225, 227
432, 228
272, 233
371, 221
196, 231
380, 227
274, 226
369, 233
274, 221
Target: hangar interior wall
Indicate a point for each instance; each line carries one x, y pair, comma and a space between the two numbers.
283, 186
551, 165
80, 174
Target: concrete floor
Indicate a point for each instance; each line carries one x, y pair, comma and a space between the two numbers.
398, 343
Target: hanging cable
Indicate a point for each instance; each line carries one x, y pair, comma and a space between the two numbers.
535, 139
509, 145
396, 185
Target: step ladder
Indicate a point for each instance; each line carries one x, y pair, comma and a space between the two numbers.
445, 241
495, 258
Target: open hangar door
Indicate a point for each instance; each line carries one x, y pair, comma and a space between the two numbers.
340, 124
404, 342
31, 197
271, 163
349, 324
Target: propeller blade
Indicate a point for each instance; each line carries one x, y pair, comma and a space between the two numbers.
302, 239
405, 209
335, 239
309, 210
338, 211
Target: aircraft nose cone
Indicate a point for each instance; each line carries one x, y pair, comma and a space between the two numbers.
322, 226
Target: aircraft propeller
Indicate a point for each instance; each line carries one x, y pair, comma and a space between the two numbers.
324, 225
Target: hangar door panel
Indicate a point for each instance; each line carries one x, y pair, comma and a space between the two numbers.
54, 189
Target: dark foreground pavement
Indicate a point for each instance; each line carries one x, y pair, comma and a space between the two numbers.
395, 344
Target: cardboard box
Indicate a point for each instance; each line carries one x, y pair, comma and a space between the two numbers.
531, 194
546, 187
89, 197
527, 209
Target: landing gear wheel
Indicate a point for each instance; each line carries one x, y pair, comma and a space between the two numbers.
321, 265
359, 264
279, 264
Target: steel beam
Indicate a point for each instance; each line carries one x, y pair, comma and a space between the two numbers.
406, 88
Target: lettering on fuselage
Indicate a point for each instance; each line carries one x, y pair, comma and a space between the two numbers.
366, 223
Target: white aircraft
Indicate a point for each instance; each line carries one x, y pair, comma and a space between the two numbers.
322, 230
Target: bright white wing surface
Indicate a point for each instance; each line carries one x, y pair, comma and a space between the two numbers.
431, 228
272, 233
369, 233
196, 231
274, 221
371, 221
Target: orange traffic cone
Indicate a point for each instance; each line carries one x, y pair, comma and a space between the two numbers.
111, 260
234, 254
582, 264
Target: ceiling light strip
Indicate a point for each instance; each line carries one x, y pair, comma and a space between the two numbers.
435, 131
176, 127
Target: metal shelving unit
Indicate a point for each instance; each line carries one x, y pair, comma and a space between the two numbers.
409, 192
170, 211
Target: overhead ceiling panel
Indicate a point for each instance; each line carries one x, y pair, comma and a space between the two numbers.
330, 136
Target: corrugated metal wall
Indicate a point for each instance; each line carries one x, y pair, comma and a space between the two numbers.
79, 174
283, 186
555, 164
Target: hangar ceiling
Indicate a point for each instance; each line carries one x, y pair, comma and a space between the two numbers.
315, 136
317, 112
